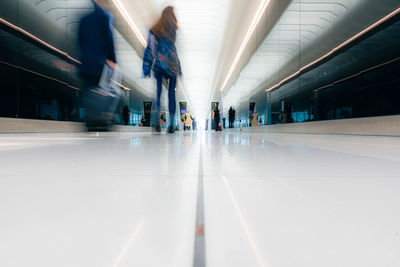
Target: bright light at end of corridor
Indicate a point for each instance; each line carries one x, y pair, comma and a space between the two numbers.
129, 20
263, 6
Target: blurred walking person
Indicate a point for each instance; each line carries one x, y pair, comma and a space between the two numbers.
96, 45
231, 114
254, 120
217, 119
188, 121
142, 121
194, 124
126, 113
161, 56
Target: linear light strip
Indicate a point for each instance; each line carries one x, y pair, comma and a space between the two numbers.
130, 22
30, 35
357, 74
352, 39
263, 5
129, 243
243, 221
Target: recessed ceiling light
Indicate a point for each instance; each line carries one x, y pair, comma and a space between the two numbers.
263, 6
130, 22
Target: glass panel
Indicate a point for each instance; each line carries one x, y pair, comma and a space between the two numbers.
8, 91
9, 46
357, 80
9, 10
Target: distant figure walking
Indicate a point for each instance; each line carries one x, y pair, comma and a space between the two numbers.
231, 114
126, 114
194, 124
142, 121
217, 119
254, 120
161, 56
188, 121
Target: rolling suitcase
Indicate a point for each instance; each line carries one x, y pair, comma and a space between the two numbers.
101, 102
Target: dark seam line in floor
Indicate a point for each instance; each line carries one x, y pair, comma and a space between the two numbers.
199, 259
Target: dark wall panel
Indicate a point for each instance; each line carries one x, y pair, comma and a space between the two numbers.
361, 80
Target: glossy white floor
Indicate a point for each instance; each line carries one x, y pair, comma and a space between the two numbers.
130, 200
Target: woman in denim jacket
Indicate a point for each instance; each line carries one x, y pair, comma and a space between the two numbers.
161, 56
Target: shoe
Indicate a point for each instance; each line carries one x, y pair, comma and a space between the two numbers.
158, 129
170, 130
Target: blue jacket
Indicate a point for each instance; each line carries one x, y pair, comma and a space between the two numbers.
96, 42
160, 55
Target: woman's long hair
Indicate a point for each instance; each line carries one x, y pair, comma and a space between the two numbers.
167, 25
